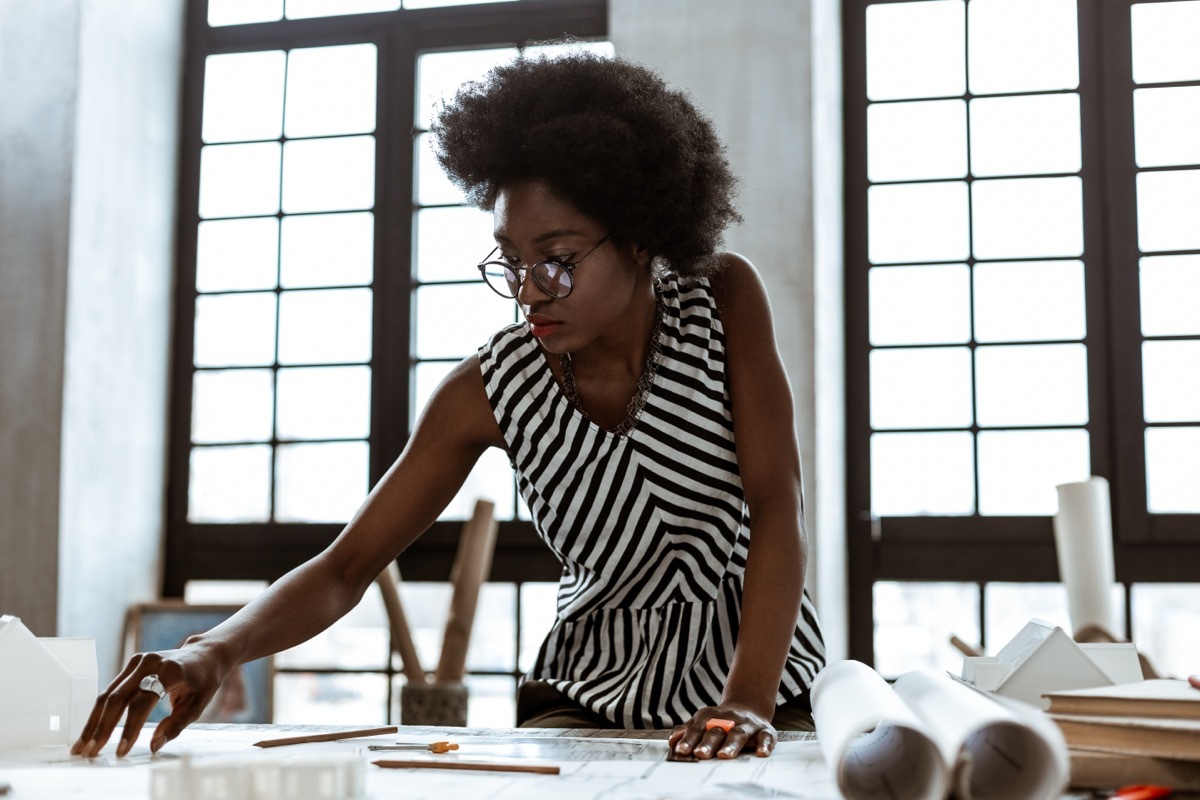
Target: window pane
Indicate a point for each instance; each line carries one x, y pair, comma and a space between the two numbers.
433, 187
1023, 45
1164, 122
1028, 218
243, 96
494, 636
920, 305
325, 327
324, 403
426, 605
491, 479
235, 330
928, 387
237, 12
1029, 301
320, 482
453, 321
1168, 206
922, 473
232, 405
239, 180
439, 75
491, 699
1031, 385
1171, 381
914, 141
539, 608
1025, 135
230, 484
359, 640
1170, 295
450, 242
915, 50
1160, 612
301, 9
1011, 605
426, 377
1018, 470
1173, 470
330, 90
1164, 41
329, 174
309, 698
237, 254
327, 250
917, 222
914, 623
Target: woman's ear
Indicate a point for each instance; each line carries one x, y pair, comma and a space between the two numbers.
641, 255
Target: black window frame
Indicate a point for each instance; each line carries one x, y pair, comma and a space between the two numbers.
265, 551
1148, 548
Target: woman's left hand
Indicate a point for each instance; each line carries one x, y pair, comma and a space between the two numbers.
750, 730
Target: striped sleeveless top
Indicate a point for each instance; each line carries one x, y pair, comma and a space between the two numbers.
651, 527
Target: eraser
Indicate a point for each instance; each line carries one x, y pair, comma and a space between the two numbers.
716, 722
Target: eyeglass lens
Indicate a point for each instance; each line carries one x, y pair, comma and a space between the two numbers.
553, 279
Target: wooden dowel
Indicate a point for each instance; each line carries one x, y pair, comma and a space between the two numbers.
326, 737
402, 641
478, 766
472, 564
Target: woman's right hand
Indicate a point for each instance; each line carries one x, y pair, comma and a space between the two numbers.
191, 675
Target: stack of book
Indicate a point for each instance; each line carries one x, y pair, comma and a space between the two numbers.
1144, 732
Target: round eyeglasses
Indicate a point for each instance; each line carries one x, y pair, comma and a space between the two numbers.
555, 278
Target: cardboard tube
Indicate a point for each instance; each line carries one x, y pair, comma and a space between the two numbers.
472, 565
1083, 539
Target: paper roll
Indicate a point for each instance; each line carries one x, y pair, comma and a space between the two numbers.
1083, 539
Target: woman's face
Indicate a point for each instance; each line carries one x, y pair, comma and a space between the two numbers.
611, 286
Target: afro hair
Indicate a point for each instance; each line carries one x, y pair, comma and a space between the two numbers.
606, 135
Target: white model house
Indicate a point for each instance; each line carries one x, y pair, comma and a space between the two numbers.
47, 686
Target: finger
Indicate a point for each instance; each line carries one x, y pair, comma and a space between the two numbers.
692, 733
117, 701
710, 742
676, 735
766, 742
735, 740
98, 707
140, 708
185, 709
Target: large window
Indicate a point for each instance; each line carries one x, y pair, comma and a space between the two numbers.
1023, 288
325, 286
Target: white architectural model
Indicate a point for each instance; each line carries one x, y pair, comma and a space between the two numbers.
47, 686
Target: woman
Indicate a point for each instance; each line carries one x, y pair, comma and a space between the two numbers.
643, 404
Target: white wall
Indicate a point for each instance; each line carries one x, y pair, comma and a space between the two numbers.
768, 73
88, 143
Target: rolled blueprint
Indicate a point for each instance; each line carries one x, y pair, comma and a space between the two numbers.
1083, 538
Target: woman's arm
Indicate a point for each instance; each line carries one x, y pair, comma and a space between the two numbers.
456, 427
769, 462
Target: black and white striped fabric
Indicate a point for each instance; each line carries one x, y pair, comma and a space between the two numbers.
651, 527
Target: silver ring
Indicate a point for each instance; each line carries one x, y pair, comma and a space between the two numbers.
151, 683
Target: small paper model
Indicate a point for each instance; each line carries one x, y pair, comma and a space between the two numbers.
1043, 658
47, 686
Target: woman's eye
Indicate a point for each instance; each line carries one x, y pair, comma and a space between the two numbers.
561, 260
510, 260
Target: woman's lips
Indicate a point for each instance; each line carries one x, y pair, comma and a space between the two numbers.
541, 326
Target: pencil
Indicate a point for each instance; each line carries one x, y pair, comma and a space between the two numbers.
326, 737
471, 765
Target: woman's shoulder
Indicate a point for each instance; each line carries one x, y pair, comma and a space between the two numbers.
726, 286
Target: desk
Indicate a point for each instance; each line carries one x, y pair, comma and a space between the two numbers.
796, 767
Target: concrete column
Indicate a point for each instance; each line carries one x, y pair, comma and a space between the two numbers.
768, 73
88, 154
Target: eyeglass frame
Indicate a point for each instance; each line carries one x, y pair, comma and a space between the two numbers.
521, 272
